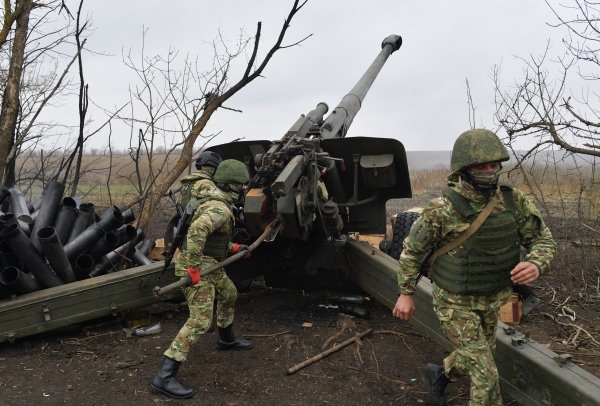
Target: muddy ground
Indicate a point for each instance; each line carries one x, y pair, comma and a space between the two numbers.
98, 365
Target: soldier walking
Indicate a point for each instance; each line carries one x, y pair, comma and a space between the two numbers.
474, 279
208, 241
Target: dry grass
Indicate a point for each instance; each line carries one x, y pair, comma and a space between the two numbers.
106, 180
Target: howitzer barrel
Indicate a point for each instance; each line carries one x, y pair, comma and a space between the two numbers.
338, 122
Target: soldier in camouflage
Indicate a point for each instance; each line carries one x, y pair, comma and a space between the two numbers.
208, 241
472, 281
192, 185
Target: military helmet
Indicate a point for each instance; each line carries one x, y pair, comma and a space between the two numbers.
476, 147
231, 171
208, 158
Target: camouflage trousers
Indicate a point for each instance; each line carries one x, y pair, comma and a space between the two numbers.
469, 323
200, 299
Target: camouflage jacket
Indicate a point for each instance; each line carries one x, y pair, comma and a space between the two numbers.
212, 216
440, 223
200, 181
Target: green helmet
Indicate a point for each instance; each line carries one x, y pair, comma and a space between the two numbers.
476, 147
231, 171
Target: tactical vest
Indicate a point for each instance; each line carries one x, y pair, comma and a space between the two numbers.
216, 244
483, 263
186, 189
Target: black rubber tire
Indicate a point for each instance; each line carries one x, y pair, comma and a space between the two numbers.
404, 222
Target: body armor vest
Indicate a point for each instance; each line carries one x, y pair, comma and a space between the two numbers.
483, 263
217, 244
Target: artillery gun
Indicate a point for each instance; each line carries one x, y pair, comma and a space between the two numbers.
323, 187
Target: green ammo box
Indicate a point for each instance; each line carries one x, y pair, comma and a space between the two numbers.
76, 302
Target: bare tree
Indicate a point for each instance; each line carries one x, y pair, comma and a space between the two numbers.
10, 16
174, 100
539, 106
542, 106
10, 100
33, 82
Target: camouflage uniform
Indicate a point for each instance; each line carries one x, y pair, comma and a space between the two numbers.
213, 216
469, 321
199, 182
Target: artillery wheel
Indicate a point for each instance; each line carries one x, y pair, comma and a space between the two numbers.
404, 222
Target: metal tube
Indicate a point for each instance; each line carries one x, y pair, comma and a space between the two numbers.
4, 193
18, 281
92, 234
9, 219
105, 264
52, 196
69, 201
18, 206
110, 210
55, 254
64, 222
88, 208
144, 246
130, 248
126, 234
37, 203
337, 123
77, 201
128, 216
78, 226
30, 256
83, 266
139, 258
83, 241
103, 246
111, 221
9, 258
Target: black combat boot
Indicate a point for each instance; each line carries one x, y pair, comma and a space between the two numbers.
437, 384
228, 341
166, 383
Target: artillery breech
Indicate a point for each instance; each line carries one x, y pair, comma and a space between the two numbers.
183, 282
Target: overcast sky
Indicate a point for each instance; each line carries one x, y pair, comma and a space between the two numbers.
419, 97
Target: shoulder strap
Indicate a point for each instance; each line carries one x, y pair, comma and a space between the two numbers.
466, 234
508, 198
460, 203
